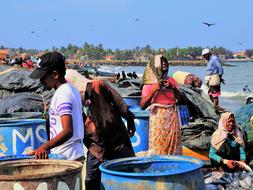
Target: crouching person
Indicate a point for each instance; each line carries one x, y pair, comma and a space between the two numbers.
228, 145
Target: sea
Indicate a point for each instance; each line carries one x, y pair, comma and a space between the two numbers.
236, 76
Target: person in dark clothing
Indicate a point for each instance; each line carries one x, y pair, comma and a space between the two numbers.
123, 75
227, 145
106, 135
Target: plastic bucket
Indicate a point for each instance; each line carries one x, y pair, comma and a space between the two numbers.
41, 175
133, 102
18, 137
153, 173
140, 139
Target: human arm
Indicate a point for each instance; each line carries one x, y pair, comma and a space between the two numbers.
172, 84
120, 106
242, 154
214, 156
147, 94
63, 136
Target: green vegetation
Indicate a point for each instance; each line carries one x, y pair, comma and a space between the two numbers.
98, 52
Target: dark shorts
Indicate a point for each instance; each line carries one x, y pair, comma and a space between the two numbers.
214, 91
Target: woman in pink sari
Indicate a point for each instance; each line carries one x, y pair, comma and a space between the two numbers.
160, 93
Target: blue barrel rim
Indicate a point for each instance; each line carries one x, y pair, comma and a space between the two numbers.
20, 115
197, 165
20, 122
21, 157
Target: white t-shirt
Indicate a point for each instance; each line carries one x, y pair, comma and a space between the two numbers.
67, 101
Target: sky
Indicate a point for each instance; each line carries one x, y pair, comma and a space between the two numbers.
126, 24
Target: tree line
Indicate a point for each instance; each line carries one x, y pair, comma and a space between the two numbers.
98, 52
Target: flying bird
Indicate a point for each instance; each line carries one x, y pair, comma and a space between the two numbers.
136, 20
32, 32
54, 19
208, 24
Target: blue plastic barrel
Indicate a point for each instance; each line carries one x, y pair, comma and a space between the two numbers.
20, 115
18, 137
21, 157
140, 139
184, 114
133, 102
152, 173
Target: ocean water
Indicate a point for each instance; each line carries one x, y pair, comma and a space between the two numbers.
236, 77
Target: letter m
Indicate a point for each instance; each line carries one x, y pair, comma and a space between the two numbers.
16, 134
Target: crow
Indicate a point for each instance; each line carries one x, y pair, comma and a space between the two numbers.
208, 24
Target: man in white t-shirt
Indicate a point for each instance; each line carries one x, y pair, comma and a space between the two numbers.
66, 121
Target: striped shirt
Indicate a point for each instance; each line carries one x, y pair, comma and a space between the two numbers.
67, 101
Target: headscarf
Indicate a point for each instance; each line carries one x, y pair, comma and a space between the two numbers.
77, 80
153, 71
221, 134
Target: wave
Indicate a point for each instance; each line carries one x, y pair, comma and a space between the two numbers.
228, 94
236, 94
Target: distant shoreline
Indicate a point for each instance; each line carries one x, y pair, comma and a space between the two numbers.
144, 63
139, 63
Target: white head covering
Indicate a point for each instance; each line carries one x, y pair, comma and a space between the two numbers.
205, 51
77, 80
221, 134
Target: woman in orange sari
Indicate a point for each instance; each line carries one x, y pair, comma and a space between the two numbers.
160, 93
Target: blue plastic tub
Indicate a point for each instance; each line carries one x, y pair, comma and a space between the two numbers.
152, 173
140, 139
133, 102
18, 137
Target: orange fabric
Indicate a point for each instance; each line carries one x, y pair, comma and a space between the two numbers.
189, 152
164, 131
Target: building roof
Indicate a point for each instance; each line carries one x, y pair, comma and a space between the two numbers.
4, 51
239, 53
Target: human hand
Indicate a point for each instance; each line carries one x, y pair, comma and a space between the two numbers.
165, 83
39, 153
131, 128
230, 163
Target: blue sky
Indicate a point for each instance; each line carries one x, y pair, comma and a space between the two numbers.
162, 23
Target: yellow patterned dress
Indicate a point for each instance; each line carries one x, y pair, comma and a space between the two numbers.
164, 131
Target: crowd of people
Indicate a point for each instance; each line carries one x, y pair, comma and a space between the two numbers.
23, 60
89, 112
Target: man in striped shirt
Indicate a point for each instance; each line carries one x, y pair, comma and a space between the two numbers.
66, 122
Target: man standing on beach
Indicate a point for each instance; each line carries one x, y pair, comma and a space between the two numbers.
214, 77
66, 121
